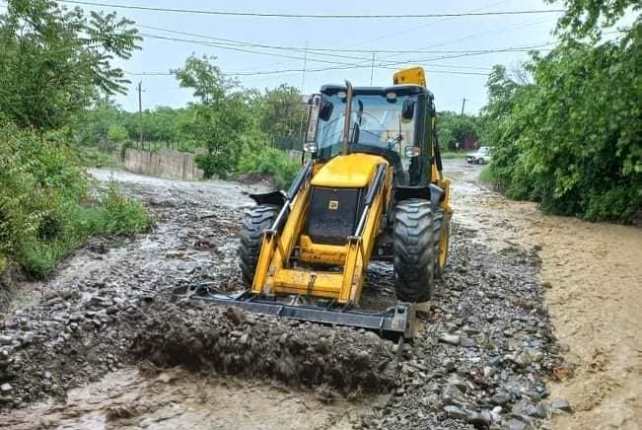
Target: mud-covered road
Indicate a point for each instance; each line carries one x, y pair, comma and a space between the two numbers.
103, 345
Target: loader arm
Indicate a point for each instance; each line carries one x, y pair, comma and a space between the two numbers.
275, 275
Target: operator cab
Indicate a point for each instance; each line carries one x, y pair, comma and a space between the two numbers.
386, 121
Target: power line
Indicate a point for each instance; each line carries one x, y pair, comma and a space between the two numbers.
385, 65
233, 42
221, 40
236, 48
276, 72
313, 16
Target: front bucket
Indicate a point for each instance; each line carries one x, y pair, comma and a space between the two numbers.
395, 322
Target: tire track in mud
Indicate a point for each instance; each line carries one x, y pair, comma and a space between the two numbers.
479, 361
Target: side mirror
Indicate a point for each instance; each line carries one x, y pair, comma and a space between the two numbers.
408, 109
325, 108
412, 151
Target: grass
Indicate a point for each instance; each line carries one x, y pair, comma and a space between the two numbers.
46, 210
487, 175
113, 214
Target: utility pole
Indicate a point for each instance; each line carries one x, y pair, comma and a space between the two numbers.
372, 67
463, 105
305, 65
301, 125
140, 113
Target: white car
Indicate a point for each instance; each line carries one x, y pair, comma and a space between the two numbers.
481, 156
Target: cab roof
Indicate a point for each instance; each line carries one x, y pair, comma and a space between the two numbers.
405, 89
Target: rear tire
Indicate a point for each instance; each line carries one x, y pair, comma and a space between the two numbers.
413, 245
256, 221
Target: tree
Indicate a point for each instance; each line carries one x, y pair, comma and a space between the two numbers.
453, 128
572, 139
282, 114
589, 17
221, 114
54, 62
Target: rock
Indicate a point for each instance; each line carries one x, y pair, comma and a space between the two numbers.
458, 382
451, 339
456, 412
481, 419
27, 338
5, 388
560, 405
527, 408
6, 340
540, 411
500, 398
452, 395
467, 342
496, 414
515, 424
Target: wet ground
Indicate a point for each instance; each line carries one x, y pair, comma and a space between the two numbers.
101, 346
592, 274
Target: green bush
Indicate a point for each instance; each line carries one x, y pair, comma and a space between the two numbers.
121, 215
488, 175
45, 210
94, 157
271, 162
572, 140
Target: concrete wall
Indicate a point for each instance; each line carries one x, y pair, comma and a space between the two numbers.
295, 155
165, 164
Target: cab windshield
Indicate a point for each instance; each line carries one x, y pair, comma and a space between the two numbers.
382, 128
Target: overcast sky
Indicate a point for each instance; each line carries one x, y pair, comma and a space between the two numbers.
438, 34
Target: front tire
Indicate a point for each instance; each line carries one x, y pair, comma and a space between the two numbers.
256, 221
414, 259
441, 238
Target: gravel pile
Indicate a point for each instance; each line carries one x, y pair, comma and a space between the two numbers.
69, 338
230, 341
486, 352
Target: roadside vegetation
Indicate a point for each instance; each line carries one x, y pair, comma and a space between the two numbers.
231, 130
569, 134
50, 71
458, 133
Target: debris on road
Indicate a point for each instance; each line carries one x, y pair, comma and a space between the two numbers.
480, 358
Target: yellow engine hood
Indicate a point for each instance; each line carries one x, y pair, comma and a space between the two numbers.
348, 171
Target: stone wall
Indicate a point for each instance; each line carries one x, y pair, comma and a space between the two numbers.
164, 163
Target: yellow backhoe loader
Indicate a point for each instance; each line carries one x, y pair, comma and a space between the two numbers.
372, 188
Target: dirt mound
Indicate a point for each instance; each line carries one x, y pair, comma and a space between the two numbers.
230, 341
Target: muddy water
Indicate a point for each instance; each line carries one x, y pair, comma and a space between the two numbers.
593, 275
177, 399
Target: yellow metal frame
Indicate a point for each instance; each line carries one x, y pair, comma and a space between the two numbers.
274, 277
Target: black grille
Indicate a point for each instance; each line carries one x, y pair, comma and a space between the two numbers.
334, 213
